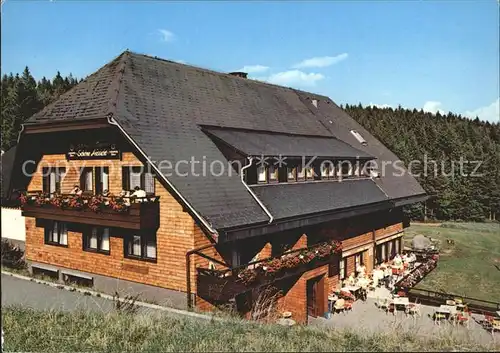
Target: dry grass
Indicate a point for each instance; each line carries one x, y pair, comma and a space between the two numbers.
51, 331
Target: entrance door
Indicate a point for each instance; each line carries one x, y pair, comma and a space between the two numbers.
316, 296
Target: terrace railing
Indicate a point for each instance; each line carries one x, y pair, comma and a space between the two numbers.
133, 213
429, 297
224, 284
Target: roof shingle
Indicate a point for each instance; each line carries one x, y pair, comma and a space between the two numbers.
162, 106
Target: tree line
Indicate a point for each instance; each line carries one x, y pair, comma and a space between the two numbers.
23, 96
442, 140
468, 193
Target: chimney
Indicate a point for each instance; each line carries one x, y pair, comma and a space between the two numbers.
239, 74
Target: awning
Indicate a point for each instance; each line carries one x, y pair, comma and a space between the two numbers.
395, 236
256, 143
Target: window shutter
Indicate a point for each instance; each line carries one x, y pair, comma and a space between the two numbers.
46, 180
98, 180
125, 178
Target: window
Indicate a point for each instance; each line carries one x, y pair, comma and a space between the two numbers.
345, 168
94, 179
292, 173
52, 178
273, 173
357, 261
369, 170
261, 174
96, 239
56, 233
327, 170
101, 179
137, 176
309, 173
87, 179
358, 137
141, 246
343, 268
300, 172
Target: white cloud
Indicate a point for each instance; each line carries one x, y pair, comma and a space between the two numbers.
250, 69
433, 107
381, 106
166, 35
489, 113
293, 78
322, 61
180, 61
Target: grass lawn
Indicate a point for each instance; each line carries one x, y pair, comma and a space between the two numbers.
50, 331
467, 267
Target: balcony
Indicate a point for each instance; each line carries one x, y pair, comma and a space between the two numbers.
222, 285
117, 212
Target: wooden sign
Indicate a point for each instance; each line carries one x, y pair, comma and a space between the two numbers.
97, 151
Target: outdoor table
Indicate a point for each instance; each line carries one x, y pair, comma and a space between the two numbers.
447, 310
331, 301
353, 289
401, 301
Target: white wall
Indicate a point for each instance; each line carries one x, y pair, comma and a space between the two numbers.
13, 224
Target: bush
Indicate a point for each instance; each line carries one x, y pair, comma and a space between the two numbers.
12, 256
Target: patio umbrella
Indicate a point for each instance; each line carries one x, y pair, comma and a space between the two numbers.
420, 242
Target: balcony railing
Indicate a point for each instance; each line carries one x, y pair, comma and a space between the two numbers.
120, 212
224, 284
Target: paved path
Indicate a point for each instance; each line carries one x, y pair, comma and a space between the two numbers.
39, 296
368, 318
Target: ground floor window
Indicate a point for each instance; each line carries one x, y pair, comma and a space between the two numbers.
343, 268
358, 260
141, 245
96, 239
387, 250
56, 233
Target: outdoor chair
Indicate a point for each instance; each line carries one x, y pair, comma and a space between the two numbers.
339, 306
383, 304
438, 317
463, 318
488, 321
348, 305
413, 309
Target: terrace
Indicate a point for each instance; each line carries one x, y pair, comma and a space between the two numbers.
224, 284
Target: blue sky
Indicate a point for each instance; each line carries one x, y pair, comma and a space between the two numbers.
436, 55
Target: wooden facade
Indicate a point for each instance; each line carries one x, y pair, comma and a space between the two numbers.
177, 233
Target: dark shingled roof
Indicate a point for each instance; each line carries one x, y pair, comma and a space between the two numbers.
162, 106
257, 143
297, 199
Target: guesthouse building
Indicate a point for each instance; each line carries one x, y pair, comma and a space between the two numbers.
246, 189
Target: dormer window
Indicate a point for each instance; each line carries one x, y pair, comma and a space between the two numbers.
327, 170
300, 172
309, 173
358, 137
261, 174
273, 174
292, 173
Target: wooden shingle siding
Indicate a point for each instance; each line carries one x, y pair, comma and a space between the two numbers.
358, 240
388, 231
175, 235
